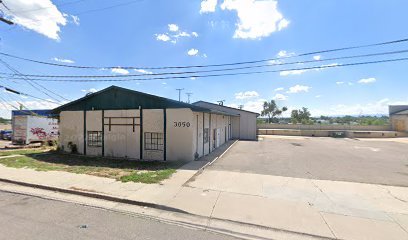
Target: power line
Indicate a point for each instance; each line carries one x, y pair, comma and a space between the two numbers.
223, 74
217, 70
109, 7
210, 65
37, 9
34, 83
26, 94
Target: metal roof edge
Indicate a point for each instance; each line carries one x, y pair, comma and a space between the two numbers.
181, 104
226, 107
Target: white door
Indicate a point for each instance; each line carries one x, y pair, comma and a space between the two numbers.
218, 138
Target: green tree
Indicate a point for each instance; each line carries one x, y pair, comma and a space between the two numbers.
300, 116
271, 110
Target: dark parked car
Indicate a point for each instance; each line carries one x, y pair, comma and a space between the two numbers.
6, 134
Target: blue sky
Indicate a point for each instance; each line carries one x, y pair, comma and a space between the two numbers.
169, 33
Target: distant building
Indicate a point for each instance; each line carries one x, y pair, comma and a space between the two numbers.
399, 117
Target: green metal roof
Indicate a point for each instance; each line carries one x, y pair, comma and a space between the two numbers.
116, 98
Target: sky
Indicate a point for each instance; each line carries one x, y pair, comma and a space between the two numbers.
159, 33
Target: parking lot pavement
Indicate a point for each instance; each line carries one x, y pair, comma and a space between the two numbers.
377, 162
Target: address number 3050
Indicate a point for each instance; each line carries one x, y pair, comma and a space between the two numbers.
181, 124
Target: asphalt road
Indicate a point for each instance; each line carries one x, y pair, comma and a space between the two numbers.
378, 162
26, 217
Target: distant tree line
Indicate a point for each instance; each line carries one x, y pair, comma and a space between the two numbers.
271, 111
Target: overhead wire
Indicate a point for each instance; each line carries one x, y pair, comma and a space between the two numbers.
28, 80
208, 65
224, 74
216, 70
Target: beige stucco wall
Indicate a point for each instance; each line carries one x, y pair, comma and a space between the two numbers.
93, 123
72, 130
153, 121
121, 141
247, 126
180, 140
235, 127
394, 119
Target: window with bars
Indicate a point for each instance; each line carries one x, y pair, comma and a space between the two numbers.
94, 139
153, 141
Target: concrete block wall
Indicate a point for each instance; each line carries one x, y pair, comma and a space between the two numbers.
325, 127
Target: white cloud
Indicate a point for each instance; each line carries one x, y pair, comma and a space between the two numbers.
257, 19
46, 19
91, 90
63, 60
301, 71
280, 97
367, 80
328, 65
208, 6
143, 71
119, 70
275, 62
283, 24
279, 89
75, 19
182, 34
254, 106
174, 34
192, 52
162, 37
298, 89
246, 95
317, 57
293, 72
283, 54
371, 108
173, 27
350, 83
29, 104
339, 83
318, 96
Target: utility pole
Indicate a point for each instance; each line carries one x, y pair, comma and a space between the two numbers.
241, 106
221, 102
188, 96
179, 90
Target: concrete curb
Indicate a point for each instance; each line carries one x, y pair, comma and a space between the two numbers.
264, 232
95, 195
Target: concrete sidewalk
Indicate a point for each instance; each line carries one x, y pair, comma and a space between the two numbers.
241, 204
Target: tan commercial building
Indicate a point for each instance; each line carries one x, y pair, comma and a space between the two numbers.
243, 123
118, 122
399, 117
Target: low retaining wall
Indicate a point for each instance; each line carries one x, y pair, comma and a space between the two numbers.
325, 127
328, 133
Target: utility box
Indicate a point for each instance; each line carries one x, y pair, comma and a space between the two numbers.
33, 126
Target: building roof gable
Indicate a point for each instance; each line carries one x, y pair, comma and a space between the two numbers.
116, 98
